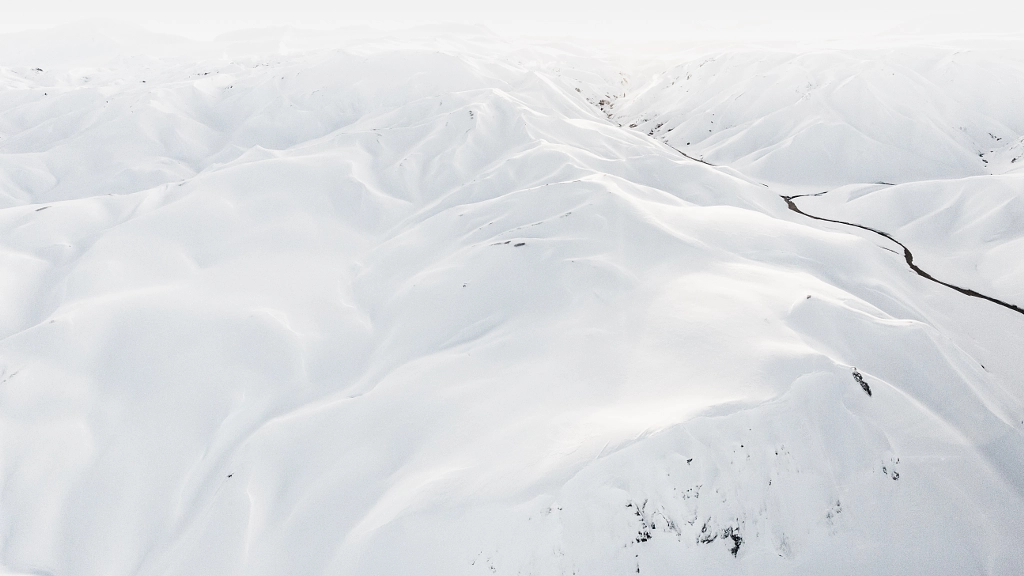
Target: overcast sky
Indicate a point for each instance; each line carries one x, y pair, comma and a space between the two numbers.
206, 18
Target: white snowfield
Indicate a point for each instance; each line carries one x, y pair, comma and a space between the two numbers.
456, 306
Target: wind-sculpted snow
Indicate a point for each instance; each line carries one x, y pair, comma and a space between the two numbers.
828, 118
437, 309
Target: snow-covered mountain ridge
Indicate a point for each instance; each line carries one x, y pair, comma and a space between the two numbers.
464, 306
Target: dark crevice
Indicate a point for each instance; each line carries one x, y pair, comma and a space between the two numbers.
907, 254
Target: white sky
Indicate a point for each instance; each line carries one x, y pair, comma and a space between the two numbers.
646, 19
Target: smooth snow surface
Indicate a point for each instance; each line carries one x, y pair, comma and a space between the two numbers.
459, 306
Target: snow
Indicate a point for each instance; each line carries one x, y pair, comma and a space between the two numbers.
968, 230
422, 304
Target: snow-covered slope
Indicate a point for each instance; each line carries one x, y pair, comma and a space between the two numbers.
432, 307
967, 231
831, 117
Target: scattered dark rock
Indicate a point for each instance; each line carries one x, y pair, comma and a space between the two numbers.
737, 540
860, 380
518, 245
706, 536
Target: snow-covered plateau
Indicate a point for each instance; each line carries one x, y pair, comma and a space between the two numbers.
439, 303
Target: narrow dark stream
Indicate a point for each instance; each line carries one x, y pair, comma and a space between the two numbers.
907, 255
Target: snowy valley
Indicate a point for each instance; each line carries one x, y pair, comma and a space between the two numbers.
443, 303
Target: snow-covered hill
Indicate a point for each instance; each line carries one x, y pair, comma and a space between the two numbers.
465, 306
830, 117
